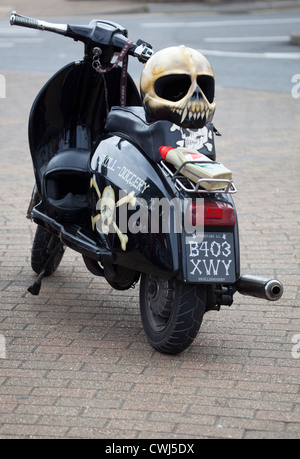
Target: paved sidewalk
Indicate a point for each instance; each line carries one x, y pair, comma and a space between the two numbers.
77, 362
61, 8
69, 7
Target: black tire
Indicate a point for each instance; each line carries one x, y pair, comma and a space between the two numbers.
41, 250
171, 312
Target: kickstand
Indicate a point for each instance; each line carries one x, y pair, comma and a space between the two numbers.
36, 287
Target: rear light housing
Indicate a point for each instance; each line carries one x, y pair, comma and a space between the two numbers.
211, 213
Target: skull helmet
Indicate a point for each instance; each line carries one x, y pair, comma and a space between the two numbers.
177, 84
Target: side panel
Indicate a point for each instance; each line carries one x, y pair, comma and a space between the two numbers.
123, 186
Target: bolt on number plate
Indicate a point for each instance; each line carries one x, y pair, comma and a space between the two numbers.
212, 259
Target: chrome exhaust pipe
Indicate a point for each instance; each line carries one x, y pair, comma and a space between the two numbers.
259, 287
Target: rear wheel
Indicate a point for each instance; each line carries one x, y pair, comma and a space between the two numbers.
171, 312
44, 243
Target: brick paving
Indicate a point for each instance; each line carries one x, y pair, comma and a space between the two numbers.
77, 362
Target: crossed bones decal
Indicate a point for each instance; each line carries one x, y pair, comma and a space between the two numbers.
108, 205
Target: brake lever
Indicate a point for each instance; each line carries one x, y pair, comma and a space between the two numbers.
143, 51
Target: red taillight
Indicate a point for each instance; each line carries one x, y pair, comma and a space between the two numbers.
211, 213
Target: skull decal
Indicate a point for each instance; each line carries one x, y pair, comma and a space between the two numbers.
177, 84
108, 204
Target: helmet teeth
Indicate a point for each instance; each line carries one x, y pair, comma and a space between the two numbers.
184, 115
193, 114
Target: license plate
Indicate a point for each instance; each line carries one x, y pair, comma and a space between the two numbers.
211, 259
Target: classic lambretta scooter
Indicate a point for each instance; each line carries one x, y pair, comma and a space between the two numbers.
104, 189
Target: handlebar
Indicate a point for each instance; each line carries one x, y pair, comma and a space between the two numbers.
99, 32
31, 23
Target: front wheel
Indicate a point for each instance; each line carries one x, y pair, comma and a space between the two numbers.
44, 243
171, 312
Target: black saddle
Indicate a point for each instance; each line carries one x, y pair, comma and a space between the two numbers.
131, 124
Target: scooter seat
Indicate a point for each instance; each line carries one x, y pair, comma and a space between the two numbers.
130, 123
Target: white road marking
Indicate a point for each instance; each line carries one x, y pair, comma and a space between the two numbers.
15, 31
6, 44
284, 38
242, 54
11, 36
226, 23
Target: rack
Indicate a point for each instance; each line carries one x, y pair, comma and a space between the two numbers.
185, 184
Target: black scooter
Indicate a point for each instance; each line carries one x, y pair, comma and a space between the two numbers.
103, 190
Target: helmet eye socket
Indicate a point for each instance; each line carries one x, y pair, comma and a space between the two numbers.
207, 85
173, 87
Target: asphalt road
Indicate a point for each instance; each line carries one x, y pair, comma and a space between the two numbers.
246, 50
